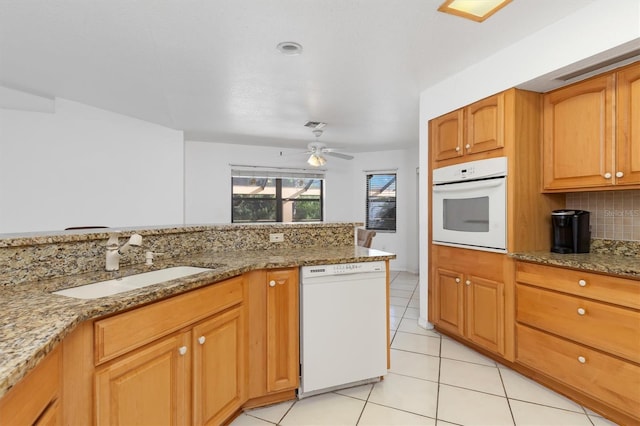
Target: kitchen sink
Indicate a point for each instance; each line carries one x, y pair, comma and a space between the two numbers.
131, 282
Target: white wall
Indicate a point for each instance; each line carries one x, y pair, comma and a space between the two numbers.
590, 31
208, 188
79, 166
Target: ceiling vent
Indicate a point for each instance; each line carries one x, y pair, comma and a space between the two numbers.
600, 66
315, 124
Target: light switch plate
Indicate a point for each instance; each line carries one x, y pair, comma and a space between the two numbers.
276, 238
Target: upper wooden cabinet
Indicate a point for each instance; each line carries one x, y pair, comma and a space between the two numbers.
592, 133
469, 133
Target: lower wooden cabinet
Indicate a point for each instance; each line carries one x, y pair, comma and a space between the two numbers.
469, 298
35, 400
195, 375
581, 331
273, 328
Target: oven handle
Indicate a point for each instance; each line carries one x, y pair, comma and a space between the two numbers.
465, 186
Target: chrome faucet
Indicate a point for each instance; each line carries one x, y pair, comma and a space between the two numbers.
115, 250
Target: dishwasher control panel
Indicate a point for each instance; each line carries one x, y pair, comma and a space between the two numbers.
343, 269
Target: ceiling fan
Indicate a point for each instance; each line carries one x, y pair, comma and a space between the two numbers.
318, 150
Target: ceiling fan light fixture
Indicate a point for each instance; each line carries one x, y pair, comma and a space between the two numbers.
476, 10
316, 160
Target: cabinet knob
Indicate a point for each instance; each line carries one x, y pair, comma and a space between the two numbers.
201, 340
272, 283
468, 146
607, 175
467, 282
457, 149
619, 174
182, 350
582, 359
582, 283
457, 280
581, 311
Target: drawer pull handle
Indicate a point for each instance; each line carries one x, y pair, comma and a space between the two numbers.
468, 146
582, 283
619, 174
201, 340
467, 282
272, 283
182, 350
581, 311
607, 175
457, 149
582, 360
457, 280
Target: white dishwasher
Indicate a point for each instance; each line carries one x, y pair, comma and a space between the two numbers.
343, 326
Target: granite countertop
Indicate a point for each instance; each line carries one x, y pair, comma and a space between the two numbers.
33, 321
613, 264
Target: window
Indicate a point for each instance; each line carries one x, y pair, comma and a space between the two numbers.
276, 197
381, 202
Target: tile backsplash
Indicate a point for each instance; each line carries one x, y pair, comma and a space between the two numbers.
615, 215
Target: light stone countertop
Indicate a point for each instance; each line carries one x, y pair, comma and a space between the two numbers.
33, 321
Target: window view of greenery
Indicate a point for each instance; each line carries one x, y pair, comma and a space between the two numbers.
381, 202
258, 199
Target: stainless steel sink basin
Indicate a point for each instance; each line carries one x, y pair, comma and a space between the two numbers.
131, 282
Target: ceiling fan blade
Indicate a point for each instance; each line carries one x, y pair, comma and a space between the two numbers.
339, 155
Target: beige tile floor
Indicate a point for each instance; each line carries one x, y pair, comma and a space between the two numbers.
433, 380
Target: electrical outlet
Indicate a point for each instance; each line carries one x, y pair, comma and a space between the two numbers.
276, 238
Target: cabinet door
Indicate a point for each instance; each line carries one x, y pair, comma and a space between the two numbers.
628, 126
35, 399
447, 133
148, 386
218, 367
283, 361
485, 125
449, 303
485, 313
578, 135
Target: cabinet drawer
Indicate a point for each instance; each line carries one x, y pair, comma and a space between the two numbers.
119, 334
610, 328
620, 291
613, 381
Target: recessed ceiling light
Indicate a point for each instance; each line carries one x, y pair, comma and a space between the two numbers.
476, 10
289, 48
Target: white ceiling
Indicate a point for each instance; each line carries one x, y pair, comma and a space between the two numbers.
211, 68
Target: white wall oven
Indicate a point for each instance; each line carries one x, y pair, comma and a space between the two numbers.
469, 205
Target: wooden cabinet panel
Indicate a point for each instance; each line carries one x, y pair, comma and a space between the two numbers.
485, 125
447, 133
607, 378
219, 363
149, 386
116, 336
35, 398
449, 309
628, 126
578, 135
283, 362
599, 325
485, 295
620, 291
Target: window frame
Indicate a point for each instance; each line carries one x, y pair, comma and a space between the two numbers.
279, 198
368, 201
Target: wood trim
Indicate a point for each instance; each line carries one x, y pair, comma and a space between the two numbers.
77, 378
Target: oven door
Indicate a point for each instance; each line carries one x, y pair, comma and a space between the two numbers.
471, 214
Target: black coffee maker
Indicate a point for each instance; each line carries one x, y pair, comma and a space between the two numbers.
571, 232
